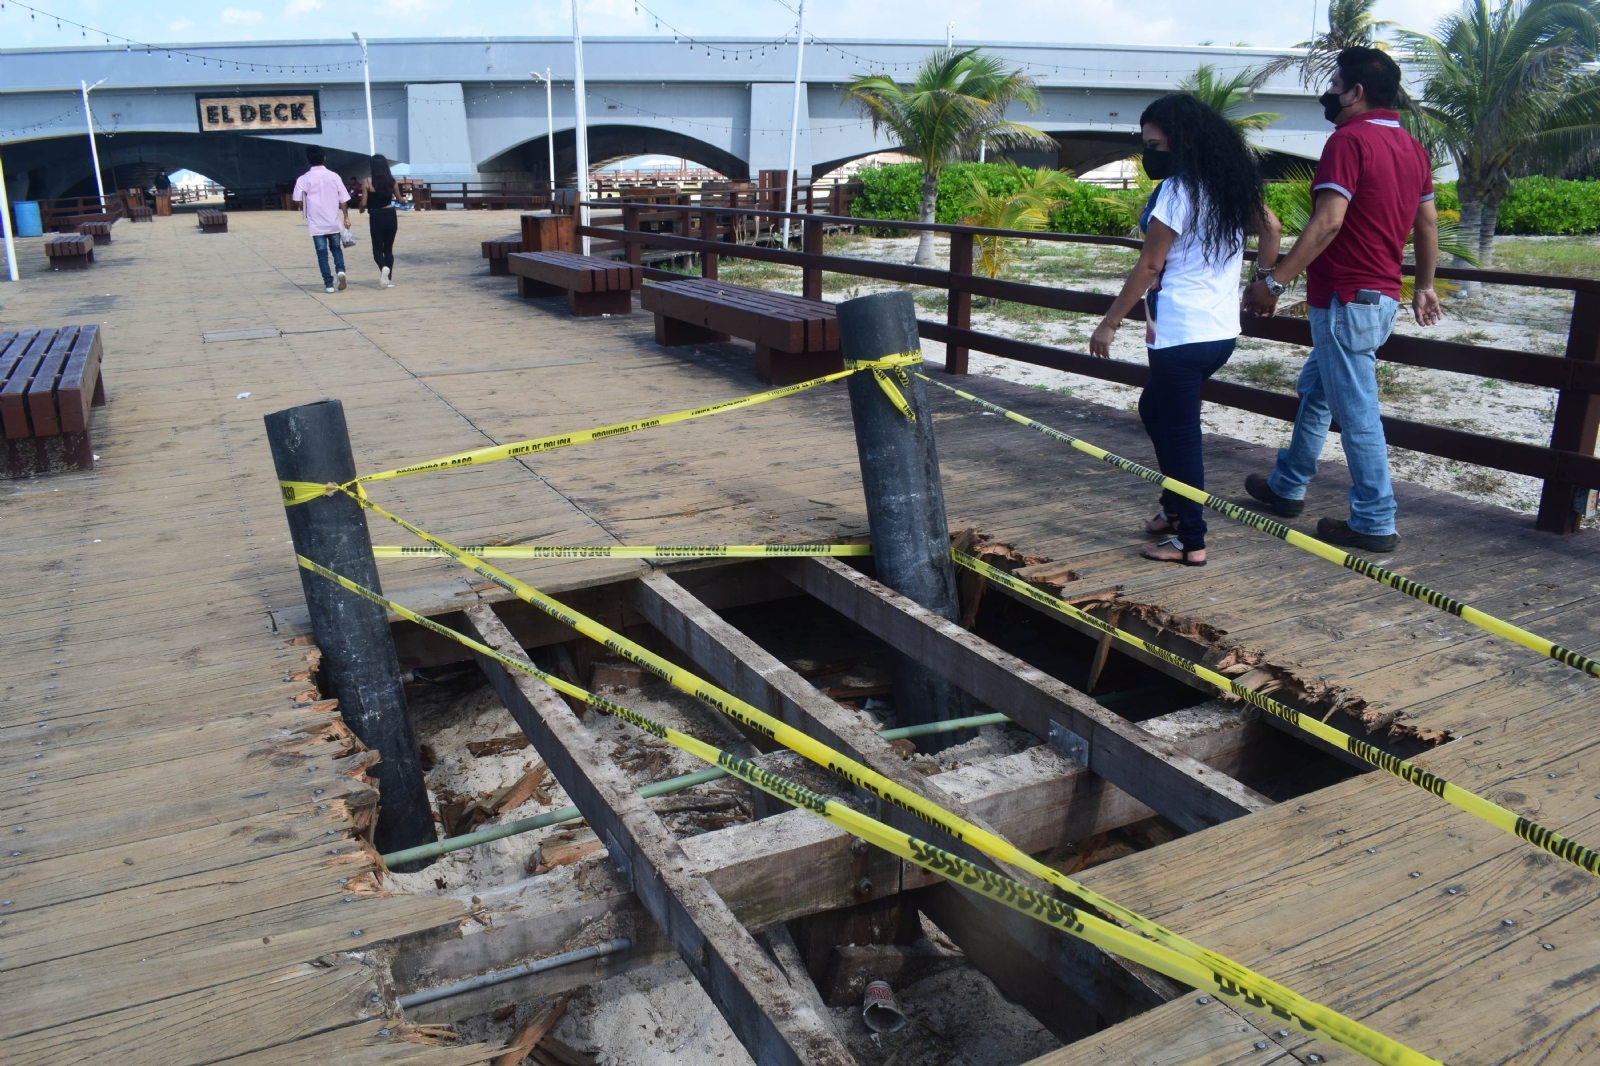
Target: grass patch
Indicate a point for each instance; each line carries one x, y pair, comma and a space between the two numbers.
1268, 373
1569, 256
753, 272
1028, 314
1391, 386
1479, 482
1476, 336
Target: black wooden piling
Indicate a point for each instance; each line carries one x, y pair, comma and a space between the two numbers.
359, 666
905, 499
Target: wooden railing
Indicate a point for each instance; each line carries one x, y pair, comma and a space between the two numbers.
1568, 466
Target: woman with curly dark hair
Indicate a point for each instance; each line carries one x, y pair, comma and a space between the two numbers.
1188, 275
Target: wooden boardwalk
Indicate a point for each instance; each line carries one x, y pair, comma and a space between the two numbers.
177, 892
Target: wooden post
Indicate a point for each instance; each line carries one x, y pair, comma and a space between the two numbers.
905, 498
811, 244
1577, 419
630, 221
959, 313
708, 232
359, 666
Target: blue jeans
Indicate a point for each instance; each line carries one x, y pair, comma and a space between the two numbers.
1170, 409
328, 242
1340, 382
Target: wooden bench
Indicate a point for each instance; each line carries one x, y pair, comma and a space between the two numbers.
100, 231
592, 286
496, 251
213, 221
70, 251
796, 339
141, 213
49, 378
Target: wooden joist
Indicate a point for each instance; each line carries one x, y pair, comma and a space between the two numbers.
1179, 787
771, 1019
1113, 989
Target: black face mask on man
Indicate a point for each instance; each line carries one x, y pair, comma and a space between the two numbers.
1157, 164
1330, 105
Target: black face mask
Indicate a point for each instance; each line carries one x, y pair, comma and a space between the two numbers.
1330, 106
1157, 164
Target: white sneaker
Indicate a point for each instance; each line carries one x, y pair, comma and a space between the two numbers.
341, 281
384, 279
329, 288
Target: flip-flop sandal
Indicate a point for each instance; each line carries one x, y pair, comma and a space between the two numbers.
1173, 543
1161, 516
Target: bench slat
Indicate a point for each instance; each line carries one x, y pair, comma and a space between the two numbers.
80, 381
13, 395
42, 412
786, 323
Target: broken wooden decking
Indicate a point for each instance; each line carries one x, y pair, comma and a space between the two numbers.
176, 897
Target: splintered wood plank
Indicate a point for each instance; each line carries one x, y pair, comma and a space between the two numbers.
774, 1022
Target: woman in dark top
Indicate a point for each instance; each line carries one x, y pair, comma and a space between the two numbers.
377, 200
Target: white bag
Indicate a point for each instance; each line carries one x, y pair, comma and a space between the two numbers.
346, 238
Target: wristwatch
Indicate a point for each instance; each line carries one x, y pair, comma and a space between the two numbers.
1274, 286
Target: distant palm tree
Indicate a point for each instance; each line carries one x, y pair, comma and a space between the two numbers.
1504, 89
1350, 25
956, 102
1226, 96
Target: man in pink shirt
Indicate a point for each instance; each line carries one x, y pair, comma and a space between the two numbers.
326, 203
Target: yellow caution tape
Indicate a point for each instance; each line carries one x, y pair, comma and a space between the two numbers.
1257, 993
1483, 620
660, 551
300, 491
1249, 983
1537, 835
883, 368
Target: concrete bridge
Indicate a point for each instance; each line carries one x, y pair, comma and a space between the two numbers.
466, 108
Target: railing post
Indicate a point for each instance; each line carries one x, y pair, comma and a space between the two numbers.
959, 311
904, 496
359, 665
708, 232
811, 244
630, 221
1577, 420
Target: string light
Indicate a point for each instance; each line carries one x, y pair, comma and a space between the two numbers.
129, 44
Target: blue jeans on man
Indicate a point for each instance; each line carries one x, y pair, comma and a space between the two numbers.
1340, 383
328, 242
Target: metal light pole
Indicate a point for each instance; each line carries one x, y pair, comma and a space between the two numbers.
794, 121
94, 153
582, 112
366, 79
5, 221
550, 128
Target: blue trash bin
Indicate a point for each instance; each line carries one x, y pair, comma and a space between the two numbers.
28, 223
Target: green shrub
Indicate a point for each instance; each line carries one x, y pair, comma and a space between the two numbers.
1444, 196
895, 192
1550, 207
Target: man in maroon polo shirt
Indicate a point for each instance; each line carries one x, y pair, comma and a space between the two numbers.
1373, 187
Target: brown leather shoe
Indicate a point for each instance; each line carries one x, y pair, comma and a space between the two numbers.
1259, 488
1336, 532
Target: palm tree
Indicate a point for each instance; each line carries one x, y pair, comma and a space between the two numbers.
1226, 96
956, 101
1503, 88
1038, 192
1350, 25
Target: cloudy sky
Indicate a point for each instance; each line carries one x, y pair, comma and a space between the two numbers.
1263, 23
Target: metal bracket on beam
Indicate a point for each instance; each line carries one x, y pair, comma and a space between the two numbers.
1068, 743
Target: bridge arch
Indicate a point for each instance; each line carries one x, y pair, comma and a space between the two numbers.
610, 143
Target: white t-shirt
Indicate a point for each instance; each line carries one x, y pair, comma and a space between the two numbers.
1199, 297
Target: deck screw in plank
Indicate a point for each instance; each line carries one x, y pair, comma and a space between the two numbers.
1548, 947
1261, 1045
1507, 921
1204, 1000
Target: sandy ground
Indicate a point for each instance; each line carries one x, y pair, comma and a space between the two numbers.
1530, 320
